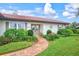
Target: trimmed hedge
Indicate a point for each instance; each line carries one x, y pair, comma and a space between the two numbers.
16, 34
19, 35
10, 33
65, 32
76, 31
31, 38
51, 37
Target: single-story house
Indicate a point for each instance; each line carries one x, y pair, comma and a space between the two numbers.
29, 22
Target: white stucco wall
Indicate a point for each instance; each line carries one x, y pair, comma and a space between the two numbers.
48, 26
54, 28
28, 25
44, 26
2, 27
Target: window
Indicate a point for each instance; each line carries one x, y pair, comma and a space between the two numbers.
60, 26
35, 26
13, 25
21, 25
17, 25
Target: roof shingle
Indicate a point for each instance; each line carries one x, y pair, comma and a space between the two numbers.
30, 18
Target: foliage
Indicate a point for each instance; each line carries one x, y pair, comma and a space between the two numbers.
76, 31
31, 38
66, 32
30, 32
73, 25
16, 35
21, 34
4, 40
10, 33
49, 32
51, 36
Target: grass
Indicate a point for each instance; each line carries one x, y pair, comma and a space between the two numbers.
64, 46
14, 46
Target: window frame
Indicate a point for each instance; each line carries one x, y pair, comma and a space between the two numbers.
23, 24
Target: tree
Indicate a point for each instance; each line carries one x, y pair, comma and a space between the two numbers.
73, 25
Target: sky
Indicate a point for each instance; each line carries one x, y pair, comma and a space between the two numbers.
60, 11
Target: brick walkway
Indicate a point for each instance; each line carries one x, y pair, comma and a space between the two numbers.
36, 48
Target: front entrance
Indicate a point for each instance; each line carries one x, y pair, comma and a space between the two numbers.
35, 28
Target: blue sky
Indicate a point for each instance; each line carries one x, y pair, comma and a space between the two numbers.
38, 9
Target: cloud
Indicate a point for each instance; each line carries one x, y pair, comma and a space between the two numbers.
18, 12
46, 12
75, 5
70, 8
55, 17
49, 11
70, 11
71, 17
24, 12
6, 11
34, 12
38, 10
66, 13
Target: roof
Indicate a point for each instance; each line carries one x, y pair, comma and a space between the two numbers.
29, 18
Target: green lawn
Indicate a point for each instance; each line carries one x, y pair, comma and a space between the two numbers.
65, 46
14, 46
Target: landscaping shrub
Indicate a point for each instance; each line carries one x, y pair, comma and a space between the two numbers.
49, 32
76, 31
16, 34
10, 33
30, 32
4, 40
51, 36
31, 38
65, 32
21, 34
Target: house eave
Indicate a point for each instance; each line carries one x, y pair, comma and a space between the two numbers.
12, 19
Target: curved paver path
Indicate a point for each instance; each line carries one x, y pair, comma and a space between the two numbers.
36, 48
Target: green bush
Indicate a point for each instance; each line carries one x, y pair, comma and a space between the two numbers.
10, 33
16, 34
51, 36
31, 38
30, 32
49, 32
76, 31
66, 32
4, 40
21, 34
